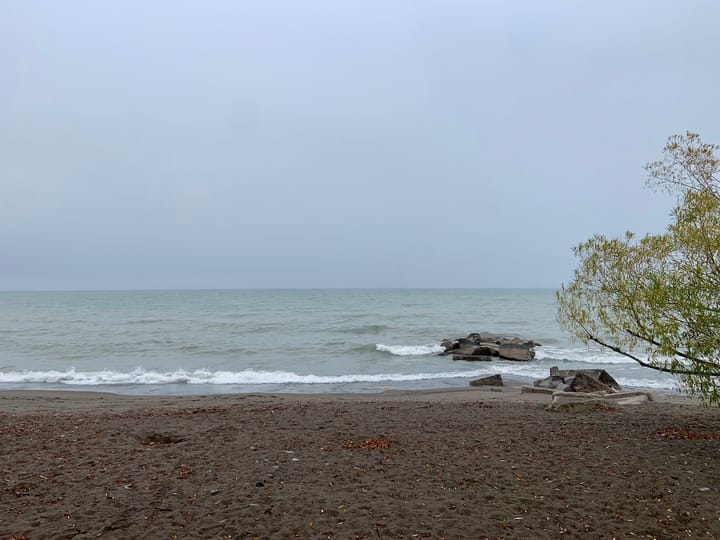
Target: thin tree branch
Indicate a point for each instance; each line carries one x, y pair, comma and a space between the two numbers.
643, 363
674, 351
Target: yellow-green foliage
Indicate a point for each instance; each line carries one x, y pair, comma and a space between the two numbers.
656, 299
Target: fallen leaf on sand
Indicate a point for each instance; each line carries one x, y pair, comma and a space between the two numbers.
368, 444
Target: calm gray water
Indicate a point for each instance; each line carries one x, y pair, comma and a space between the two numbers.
359, 340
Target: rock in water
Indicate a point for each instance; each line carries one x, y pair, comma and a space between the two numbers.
486, 349
485, 346
459, 355
516, 351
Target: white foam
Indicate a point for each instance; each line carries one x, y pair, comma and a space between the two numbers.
141, 376
665, 384
411, 350
527, 370
582, 355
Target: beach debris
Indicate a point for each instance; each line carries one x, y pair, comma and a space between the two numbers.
605, 408
147, 438
485, 347
575, 401
490, 380
575, 405
380, 443
674, 433
585, 389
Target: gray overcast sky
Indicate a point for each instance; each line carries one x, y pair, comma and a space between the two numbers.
172, 144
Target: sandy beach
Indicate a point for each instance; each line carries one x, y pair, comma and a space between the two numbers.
476, 463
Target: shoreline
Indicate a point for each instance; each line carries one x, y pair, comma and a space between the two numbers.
28, 400
437, 386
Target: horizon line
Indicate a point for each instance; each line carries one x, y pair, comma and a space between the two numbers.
218, 289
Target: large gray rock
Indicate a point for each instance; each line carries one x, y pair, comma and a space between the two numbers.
489, 345
487, 349
484, 351
598, 374
584, 383
458, 355
522, 352
579, 380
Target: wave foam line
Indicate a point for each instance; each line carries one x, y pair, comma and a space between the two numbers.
411, 350
141, 376
585, 356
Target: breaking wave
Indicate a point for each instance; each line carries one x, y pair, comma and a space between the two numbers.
142, 376
410, 350
525, 371
581, 355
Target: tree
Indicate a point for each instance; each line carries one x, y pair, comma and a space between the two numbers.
656, 299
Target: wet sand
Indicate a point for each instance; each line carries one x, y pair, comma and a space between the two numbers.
476, 463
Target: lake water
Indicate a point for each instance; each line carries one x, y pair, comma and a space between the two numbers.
330, 340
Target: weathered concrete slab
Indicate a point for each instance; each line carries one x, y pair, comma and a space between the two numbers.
490, 380
579, 401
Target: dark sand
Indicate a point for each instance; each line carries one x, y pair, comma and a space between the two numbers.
464, 464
